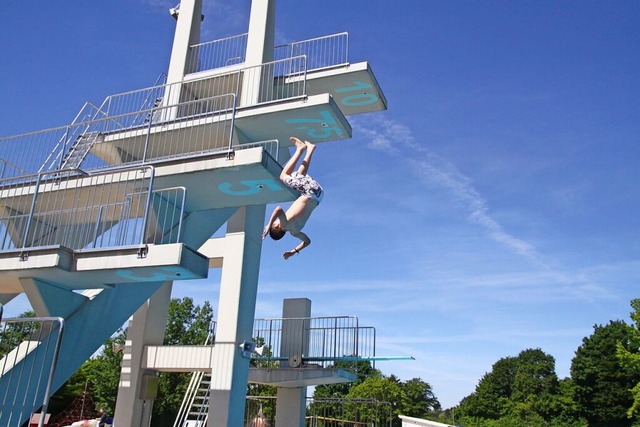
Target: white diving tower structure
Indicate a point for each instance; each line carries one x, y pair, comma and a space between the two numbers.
99, 217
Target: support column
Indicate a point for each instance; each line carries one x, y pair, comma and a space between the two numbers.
262, 30
260, 46
137, 386
236, 312
291, 402
183, 60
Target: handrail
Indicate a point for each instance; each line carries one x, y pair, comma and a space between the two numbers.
33, 350
111, 199
324, 340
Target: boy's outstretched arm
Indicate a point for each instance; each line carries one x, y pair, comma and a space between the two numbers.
306, 241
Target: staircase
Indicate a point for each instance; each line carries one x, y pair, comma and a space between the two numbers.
78, 151
195, 404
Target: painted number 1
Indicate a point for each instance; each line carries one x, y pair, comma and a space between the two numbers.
357, 99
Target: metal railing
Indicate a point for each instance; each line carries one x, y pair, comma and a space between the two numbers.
320, 341
217, 54
74, 145
260, 411
253, 85
28, 356
166, 215
339, 412
141, 137
321, 52
66, 208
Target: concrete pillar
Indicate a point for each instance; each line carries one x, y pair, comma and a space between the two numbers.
257, 80
236, 310
137, 386
262, 30
187, 33
291, 402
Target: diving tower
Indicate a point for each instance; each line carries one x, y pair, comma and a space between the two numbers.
99, 217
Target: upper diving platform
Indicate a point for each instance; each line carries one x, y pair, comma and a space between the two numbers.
169, 164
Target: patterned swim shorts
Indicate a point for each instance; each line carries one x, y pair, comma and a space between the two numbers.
306, 185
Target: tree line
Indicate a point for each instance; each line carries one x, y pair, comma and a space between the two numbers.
603, 389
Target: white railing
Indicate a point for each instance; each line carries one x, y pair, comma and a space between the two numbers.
217, 54
339, 412
140, 137
84, 212
321, 341
253, 85
321, 52
28, 356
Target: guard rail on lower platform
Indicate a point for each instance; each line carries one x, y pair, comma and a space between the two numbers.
28, 356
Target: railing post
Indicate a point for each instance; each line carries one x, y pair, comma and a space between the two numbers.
233, 118
47, 392
97, 227
184, 195
147, 207
31, 211
146, 139
63, 148
304, 78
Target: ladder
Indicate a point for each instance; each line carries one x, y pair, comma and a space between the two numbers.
194, 410
79, 150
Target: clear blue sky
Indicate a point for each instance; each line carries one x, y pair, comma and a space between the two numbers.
492, 208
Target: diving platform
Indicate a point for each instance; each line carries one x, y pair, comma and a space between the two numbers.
99, 217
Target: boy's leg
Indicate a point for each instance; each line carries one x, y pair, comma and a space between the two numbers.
304, 166
291, 164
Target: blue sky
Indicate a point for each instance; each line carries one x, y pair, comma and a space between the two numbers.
492, 208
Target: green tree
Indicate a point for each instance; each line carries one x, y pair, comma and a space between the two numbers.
519, 390
381, 389
328, 398
103, 373
601, 384
14, 333
629, 356
419, 401
492, 394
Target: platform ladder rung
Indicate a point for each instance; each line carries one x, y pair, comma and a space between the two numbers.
79, 150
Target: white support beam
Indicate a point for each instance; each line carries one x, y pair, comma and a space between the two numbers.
236, 310
135, 399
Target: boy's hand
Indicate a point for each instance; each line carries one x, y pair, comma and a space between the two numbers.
265, 232
288, 254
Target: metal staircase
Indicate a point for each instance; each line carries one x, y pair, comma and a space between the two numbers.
195, 404
79, 150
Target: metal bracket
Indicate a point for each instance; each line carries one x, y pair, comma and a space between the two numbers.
143, 251
24, 256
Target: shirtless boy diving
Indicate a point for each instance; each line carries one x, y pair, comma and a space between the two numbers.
294, 219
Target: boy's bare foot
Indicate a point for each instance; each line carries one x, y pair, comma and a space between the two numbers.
298, 143
310, 146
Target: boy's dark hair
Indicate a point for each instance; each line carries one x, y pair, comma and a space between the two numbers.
276, 234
